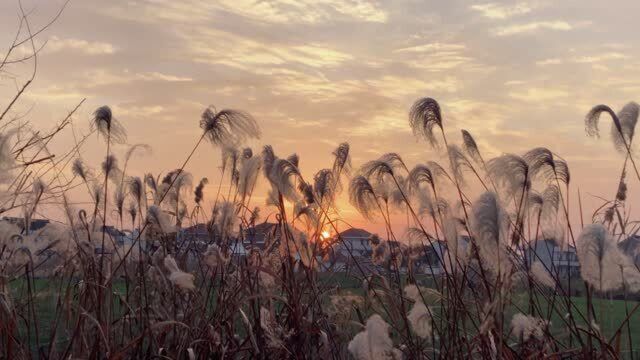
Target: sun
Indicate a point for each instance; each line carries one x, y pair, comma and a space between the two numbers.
325, 235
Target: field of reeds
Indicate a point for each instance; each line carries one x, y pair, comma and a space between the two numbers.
129, 276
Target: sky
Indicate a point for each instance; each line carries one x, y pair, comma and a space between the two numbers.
319, 72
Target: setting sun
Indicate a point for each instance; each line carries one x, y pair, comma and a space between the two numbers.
325, 235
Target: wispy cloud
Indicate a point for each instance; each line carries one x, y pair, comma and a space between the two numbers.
275, 11
56, 93
431, 47
161, 11
246, 53
539, 94
584, 59
501, 11
74, 46
56, 44
483, 119
550, 61
532, 27
139, 111
402, 87
437, 56
315, 86
157, 76
306, 11
90, 82
103, 77
390, 121
513, 82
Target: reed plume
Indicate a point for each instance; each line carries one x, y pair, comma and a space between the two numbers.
601, 260
199, 191
562, 172
423, 117
7, 159
227, 126
108, 126
488, 226
179, 278
79, 169
283, 176
387, 165
247, 153
541, 164
137, 191
374, 343
156, 216
419, 316
470, 146
342, 160
624, 133
248, 177
325, 186
362, 196
511, 172
460, 163
526, 326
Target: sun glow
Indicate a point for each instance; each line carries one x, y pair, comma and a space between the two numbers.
325, 235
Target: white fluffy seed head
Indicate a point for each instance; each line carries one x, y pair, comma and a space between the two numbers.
373, 343
602, 263
178, 277
525, 326
420, 320
541, 275
488, 226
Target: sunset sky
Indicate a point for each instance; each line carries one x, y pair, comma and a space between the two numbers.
319, 72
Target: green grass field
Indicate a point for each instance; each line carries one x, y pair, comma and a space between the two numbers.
613, 311
47, 295
610, 313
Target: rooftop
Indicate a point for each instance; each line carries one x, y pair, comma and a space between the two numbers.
35, 224
355, 232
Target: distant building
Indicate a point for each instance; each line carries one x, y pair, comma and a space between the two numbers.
34, 224
354, 245
118, 236
197, 232
237, 249
131, 236
631, 247
260, 235
430, 259
347, 248
564, 263
113, 236
353, 242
